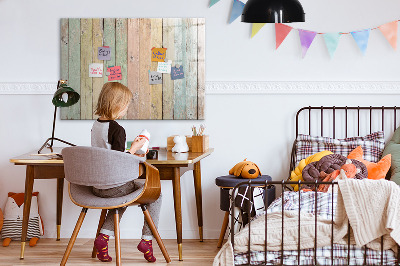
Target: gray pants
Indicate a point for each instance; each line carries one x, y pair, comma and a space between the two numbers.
154, 208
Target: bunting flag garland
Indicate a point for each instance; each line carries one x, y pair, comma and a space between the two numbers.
389, 30
256, 28
213, 2
237, 9
361, 37
332, 41
281, 31
306, 39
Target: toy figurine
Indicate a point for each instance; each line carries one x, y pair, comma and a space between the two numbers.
180, 144
13, 215
245, 169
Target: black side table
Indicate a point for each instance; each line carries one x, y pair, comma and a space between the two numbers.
226, 183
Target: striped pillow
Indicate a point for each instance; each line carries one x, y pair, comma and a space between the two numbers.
372, 145
13, 228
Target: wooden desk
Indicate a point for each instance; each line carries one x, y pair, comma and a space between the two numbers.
40, 167
169, 165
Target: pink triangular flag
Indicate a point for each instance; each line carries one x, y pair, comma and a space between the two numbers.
281, 31
306, 39
389, 30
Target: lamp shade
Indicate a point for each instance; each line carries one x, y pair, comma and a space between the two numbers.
273, 11
65, 96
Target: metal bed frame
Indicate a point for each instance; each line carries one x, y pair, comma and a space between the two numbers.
283, 184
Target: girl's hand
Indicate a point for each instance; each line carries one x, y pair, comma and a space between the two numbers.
137, 144
142, 155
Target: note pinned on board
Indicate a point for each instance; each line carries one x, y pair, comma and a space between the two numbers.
164, 67
104, 53
158, 54
95, 70
115, 73
155, 78
177, 72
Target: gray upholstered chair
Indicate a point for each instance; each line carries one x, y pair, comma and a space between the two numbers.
85, 167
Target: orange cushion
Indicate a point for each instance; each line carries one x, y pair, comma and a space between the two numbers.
375, 170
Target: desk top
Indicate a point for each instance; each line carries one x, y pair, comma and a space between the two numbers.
164, 157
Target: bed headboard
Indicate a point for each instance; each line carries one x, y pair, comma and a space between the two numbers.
344, 121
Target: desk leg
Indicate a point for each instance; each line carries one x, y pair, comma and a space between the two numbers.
176, 182
60, 190
27, 206
199, 204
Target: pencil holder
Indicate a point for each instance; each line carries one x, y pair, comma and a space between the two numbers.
200, 143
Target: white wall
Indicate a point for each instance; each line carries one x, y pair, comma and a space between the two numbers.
259, 127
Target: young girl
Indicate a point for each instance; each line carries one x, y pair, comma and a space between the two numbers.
113, 103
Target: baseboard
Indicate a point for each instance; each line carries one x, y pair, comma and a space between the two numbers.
247, 87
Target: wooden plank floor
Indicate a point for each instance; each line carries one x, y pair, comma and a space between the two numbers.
50, 252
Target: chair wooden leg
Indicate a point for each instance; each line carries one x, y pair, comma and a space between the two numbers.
117, 239
223, 229
101, 222
73, 237
154, 230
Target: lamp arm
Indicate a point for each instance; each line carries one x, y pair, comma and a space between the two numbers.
51, 140
54, 126
46, 143
54, 118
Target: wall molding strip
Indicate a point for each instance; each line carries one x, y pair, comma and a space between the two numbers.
304, 87
27, 88
251, 87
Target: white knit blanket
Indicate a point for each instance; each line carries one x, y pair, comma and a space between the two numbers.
372, 207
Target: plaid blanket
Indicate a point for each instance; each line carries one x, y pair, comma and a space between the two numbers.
323, 205
372, 145
306, 201
340, 254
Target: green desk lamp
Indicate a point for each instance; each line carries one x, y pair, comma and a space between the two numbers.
64, 96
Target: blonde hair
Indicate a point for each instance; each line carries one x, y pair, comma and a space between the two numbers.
113, 98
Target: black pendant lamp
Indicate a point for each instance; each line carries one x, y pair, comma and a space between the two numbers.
273, 11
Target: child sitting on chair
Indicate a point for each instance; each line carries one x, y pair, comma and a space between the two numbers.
113, 103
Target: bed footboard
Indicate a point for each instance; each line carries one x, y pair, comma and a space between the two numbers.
383, 259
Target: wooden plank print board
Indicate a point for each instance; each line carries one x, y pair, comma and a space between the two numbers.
131, 42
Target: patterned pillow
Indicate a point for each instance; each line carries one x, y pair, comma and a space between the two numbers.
372, 144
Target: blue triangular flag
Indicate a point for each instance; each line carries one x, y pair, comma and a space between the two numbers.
237, 9
213, 2
361, 37
332, 41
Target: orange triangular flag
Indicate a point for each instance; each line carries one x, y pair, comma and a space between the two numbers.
281, 31
389, 30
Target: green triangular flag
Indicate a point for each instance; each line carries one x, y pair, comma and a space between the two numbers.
256, 28
213, 2
332, 41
